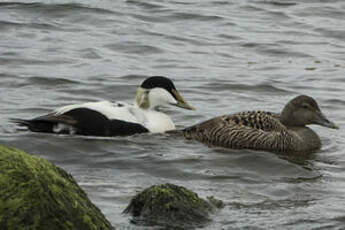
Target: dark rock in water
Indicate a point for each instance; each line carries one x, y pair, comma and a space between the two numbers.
35, 194
171, 206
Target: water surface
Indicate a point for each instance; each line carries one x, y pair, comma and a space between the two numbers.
224, 57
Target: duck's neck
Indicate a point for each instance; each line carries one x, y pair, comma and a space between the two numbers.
142, 99
285, 121
155, 121
285, 118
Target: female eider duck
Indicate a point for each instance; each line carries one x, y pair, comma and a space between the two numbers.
285, 132
107, 118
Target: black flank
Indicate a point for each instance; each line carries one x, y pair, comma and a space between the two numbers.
93, 123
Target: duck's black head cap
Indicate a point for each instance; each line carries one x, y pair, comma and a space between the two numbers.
158, 81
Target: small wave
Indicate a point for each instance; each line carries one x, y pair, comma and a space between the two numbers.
146, 5
176, 17
271, 204
197, 17
50, 81
326, 11
274, 50
134, 76
32, 61
7, 25
335, 102
263, 87
278, 3
49, 8
134, 48
338, 34
90, 53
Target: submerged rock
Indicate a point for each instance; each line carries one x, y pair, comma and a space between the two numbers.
35, 194
171, 206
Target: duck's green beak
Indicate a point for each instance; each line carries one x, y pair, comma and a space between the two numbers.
181, 102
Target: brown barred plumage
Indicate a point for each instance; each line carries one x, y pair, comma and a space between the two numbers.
261, 130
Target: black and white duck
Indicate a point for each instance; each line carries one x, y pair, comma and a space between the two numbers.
105, 118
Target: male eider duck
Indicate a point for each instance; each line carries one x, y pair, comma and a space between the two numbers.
285, 132
105, 118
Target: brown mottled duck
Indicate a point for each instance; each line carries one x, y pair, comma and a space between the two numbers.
284, 132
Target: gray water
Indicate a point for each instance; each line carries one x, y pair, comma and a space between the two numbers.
224, 57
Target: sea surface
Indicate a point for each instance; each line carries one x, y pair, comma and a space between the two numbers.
224, 57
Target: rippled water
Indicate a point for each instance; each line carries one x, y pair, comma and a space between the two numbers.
224, 57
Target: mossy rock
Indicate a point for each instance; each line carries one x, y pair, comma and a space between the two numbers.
35, 194
170, 205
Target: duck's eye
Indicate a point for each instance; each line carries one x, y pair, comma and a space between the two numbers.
305, 106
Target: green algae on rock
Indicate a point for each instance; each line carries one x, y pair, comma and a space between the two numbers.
35, 194
170, 205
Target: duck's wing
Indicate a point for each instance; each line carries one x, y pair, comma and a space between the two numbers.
252, 130
95, 118
266, 121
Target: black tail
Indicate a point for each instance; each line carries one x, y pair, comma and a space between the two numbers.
34, 125
20, 122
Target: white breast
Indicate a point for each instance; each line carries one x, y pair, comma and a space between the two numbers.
154, 121
158, 122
